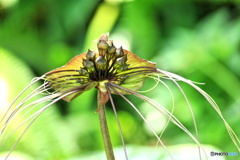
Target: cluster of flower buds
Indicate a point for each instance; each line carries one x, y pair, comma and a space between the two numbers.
106, 65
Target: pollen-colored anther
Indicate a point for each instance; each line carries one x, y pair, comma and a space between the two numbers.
101, 63
119, 52
88, 65
91, 54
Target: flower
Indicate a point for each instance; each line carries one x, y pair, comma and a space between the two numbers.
91, 70
111, 71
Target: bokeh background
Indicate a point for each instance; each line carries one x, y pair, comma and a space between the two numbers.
199, 40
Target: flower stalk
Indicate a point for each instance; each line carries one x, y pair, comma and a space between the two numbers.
104, 127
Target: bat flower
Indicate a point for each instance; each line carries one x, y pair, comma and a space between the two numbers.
111, 70
110, 66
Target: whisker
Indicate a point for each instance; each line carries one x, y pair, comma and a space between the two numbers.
118, 122
28, 97
111, 85
231, 133
19, 123
162, 110
33, 82
37, 114
34, 104
190, 109
157, 82
172, 110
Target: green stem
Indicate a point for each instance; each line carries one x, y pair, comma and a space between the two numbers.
104, 129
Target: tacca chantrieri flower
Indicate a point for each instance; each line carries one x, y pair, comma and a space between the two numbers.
111, 70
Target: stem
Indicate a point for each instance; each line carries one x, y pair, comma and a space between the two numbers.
104, 129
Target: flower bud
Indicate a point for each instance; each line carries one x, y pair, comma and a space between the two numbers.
111, 51
119, 52
120, 61
88, 65
83, 72
102, 47
91, 54
101, 63
112, 48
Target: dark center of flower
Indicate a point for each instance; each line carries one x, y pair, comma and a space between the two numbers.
106, 65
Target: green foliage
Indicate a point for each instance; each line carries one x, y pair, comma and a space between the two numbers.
195, 39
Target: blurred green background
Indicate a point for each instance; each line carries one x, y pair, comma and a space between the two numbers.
199, 40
